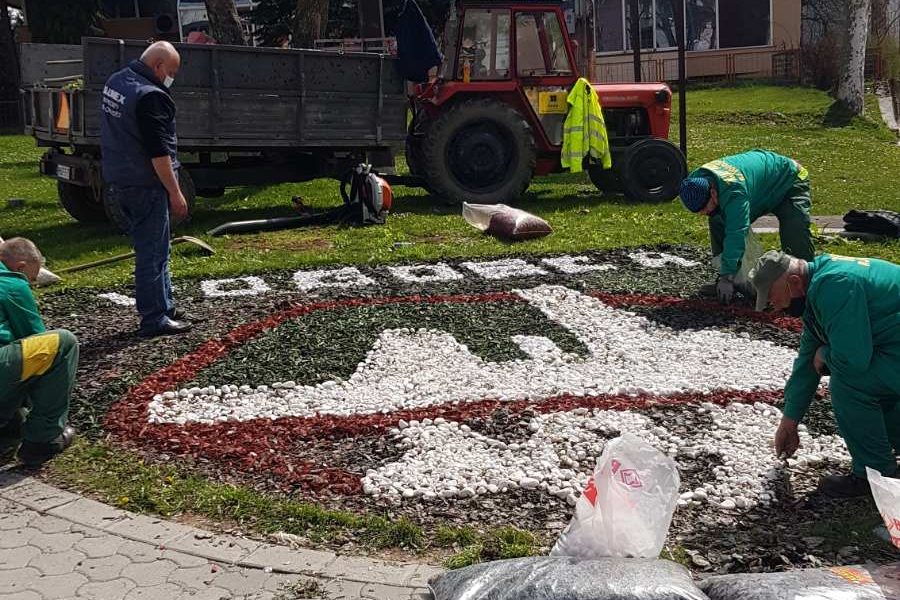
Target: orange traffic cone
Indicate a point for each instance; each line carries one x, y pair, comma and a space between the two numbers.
62, 116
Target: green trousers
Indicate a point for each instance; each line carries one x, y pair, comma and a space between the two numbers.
36, 377
793, 224
867, 411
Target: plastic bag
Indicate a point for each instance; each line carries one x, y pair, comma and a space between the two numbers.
628, 505
835, 583
566, 578
886, 491
505, 222
752, 251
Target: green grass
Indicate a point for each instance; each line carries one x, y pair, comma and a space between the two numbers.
122, 478
853, 166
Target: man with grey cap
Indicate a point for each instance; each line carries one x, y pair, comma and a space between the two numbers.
851, 331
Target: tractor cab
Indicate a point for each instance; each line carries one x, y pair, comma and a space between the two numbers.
494, 116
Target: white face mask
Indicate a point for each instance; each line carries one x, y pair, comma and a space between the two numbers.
168, 81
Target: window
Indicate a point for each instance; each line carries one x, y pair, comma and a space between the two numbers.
485, 45
701, 25
709, 24
529, 57
744, 23
556, 45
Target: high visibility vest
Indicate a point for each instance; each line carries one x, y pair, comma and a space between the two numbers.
584, 132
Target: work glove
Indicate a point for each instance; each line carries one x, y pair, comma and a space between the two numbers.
725, 288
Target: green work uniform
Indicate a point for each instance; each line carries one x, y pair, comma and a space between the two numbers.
37, 367
750, 185
853, 311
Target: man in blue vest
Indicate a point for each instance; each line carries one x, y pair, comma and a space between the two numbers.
140, 162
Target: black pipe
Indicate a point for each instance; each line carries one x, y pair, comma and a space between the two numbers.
636, 38
682, 76
329, 217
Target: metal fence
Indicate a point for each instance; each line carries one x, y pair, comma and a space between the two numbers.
781, 65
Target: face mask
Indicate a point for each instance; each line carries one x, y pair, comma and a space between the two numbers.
168, 81
796, 307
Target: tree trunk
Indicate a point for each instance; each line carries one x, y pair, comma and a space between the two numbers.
9, 64
311, 18
850, 87
224, 23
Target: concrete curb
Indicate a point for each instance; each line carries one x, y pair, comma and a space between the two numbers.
400, 580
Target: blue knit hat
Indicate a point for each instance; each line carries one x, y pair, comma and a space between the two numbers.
694, 193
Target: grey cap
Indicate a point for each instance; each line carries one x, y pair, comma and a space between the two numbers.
770, 266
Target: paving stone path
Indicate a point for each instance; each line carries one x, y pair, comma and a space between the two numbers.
58, 545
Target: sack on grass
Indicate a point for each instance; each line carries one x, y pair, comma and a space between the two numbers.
835, 583
567, 578
505, 222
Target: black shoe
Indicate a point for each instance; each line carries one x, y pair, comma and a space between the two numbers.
168, 327
35, 454
708, 290
178, 315
11, 432
843, 486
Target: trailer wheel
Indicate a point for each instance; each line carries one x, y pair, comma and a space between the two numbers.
480, 151
185, 182
83, 203
652, 171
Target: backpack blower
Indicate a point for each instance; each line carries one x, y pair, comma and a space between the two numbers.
367, 202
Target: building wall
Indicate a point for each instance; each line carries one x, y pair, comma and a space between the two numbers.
777, 59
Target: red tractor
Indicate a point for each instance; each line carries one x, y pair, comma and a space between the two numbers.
494, 116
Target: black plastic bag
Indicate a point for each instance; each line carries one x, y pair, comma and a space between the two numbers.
835, 583
567, 578
881, 222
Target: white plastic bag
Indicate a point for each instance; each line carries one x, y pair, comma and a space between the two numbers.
886, 491
627, 507
752, 251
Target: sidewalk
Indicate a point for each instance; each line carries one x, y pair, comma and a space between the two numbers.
56, 544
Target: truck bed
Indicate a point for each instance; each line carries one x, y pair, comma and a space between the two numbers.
236, 97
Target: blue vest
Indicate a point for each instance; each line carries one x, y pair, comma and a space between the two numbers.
124, 160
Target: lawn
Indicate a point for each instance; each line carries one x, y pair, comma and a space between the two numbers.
853, 166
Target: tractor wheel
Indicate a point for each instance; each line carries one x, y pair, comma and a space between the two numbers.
605, 180
185, 182
652, 171
414, 154
480, 151
83, 203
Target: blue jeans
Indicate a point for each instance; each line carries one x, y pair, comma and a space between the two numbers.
145, 212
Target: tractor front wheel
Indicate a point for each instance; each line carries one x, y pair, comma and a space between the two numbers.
652, 171
480, 151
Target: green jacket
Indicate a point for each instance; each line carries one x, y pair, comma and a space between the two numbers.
19, 317
853, 308
749, 185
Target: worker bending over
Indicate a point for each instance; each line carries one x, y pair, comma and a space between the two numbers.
851, 330
735, 191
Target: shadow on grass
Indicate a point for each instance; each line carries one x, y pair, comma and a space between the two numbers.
838, 115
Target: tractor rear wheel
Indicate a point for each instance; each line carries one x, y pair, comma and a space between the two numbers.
480, 151
605, 180
652, 171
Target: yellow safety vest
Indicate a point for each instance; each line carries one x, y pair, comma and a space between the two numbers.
584, 132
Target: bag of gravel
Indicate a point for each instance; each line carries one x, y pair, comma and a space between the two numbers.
628, 504
752, 251
886, 491
505, 222
835, 583
567, 578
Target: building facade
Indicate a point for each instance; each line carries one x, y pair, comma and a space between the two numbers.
723, 38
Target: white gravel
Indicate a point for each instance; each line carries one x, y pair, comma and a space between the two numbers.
406, 368
425, 273
659, 260
447, 460
118, 299
504, 269
576, 265
248, 286
345, 278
